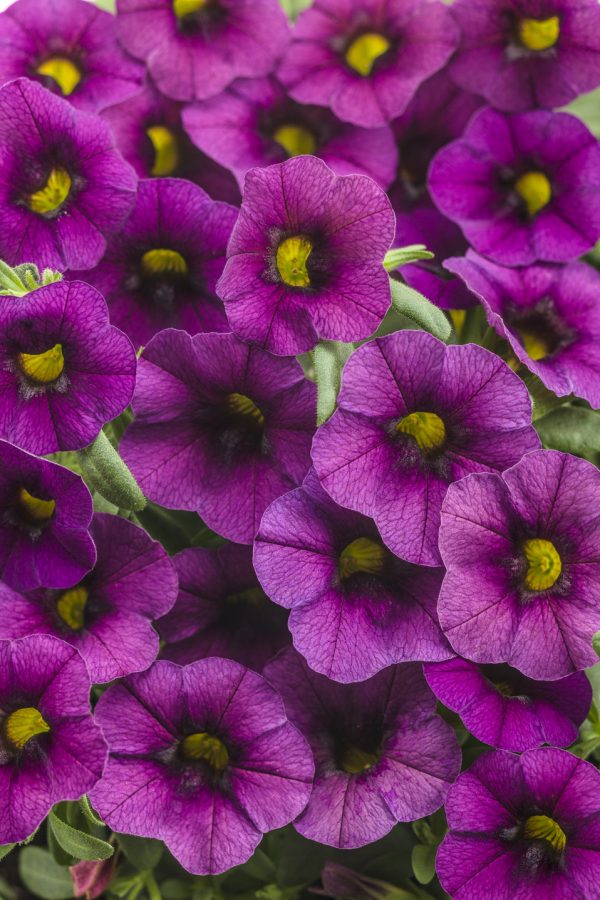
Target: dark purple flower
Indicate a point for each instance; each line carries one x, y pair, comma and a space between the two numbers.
305, 260
64, 370
366, 58
521, 187
222, 610
162, 268
195, 48
221, 428
356, 608
50, 748
45, 514
203, 758
505, 709
107, 615
382, 755
414, 416
524, 53
523, 827
550, 316
63, 186
254, 123
522, 553
71, 48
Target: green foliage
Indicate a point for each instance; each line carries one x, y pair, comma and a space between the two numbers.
420, 310
403, 256
293, 8
143, 853
77, 844
572, 429
5, 850
109, 476
329, 358
43, 876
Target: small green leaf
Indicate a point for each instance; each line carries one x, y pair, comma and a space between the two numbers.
90, 813
544, 401
42, 876
419, 309
596, 643
329, 359
423, 862
293, 8
77, 843
5, 849
109, 476
403, 256
572, 429
143, 853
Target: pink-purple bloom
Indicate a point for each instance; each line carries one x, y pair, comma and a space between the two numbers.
203, 758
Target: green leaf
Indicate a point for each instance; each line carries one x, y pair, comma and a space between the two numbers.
419, 309
90, 813
77, 843
108, 474
544, 401
596, 643
423, 862
143, 853
172, 889
403, 256
329, 359
5, 849
572, 429
293, 8
42, 876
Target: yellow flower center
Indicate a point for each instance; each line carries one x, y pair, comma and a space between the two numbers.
354, 761
426, 428
535, 346
544, 564
43, 368
535, 190
206, 747
70, 606
183, 8
295, 140
63, 71
166, 150
362, 555
543, 828
240, 405
163, 262
35, 509
365, 50
292, 257
23, 724
51, 197
539, 34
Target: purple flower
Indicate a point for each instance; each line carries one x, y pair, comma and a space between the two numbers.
382, 755
222, 610
522, 552
63, 186
45, 513
221, 428
523, 826
50, 748
70, 47
549, 315
414, 416
203, 758
107, 615
356, 608
505, 709
254, 123
305, 260
162, 268
64, 370
366, 58
522, 53
195, 48
521, 187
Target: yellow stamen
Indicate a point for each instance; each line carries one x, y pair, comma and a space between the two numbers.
535, 190
70, 606
362, 555
207, 747
63, 71
539, 34
44, 368
354, 761
292, 257
545, 564
162, 262
365, 50
54, 193
535, 346
166, 150
295, 140
241, 405
543, 828
250, 597
23, 724
37, 510
504, 688
183, 8
457, 317
426, 428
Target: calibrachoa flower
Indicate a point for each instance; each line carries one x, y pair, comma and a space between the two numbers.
413, 416
382, 754
50, 748
195, 48
64, 370
63, 186
523, 826
221, 428
107, 615
522, 552
162, 268
305, 260
70, 47
366, 58
222, 610
45, 514
505, 709
356, 608
549, 315
254, 123
522, 53
203, 758
521, 187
